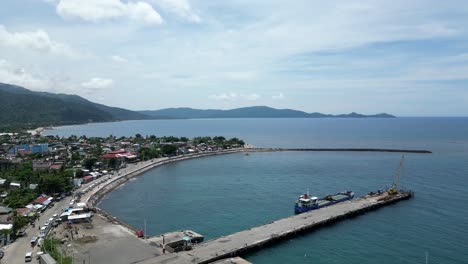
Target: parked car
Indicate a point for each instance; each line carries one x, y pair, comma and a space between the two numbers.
33, 241
28, 257
21, 233
2, 254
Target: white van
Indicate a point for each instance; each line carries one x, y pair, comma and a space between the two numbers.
33, 241
43, 231
28, 257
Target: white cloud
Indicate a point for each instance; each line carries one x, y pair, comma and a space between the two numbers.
118, 58
251, 97
98, 84
12, 74
224, 96
279, 96
36, 80
234, 96
38, 41
98, 10
180, 7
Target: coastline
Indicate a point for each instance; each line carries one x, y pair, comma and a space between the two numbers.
93, 200
37, 131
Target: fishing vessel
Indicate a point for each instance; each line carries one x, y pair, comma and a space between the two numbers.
307, 203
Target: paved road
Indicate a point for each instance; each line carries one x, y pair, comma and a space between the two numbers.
14, 253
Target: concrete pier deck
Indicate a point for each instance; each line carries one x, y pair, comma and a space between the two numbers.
247, 240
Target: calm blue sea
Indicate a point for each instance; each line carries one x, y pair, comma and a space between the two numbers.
220, 195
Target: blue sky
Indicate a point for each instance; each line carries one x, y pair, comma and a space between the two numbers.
408, 58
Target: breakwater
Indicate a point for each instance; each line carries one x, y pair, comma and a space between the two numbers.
416, 151
94, 199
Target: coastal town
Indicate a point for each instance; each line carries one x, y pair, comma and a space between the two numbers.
46, 183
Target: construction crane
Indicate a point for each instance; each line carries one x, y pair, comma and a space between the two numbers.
393, 189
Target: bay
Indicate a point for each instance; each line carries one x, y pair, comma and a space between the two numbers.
220, 195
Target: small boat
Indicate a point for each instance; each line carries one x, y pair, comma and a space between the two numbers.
307, 203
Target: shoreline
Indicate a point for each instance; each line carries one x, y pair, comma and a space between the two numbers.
93, 200
37, 131
113, 183
99, 193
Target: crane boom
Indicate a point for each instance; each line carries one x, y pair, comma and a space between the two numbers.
397, 176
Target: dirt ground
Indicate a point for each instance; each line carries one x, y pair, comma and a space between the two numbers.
103, 242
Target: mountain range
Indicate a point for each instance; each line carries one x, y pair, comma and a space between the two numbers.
248, 112
22, 107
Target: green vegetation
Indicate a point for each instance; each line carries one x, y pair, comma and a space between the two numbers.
74, 154
247, 112
19, 222
27, 109
48, 182
20, 197
51, 246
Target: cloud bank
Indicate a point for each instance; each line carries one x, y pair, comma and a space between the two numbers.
99, 10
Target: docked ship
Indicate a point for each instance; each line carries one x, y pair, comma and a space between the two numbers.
306, 203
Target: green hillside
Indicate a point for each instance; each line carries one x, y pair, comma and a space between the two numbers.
22, 107
248, 112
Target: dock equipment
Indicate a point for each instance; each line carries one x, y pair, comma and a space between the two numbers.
176, 241
393, 189
253, 238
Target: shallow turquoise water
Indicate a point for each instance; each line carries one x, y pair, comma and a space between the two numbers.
220, 195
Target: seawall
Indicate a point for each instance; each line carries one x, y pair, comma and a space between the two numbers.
94, 199
114, 183
416, 151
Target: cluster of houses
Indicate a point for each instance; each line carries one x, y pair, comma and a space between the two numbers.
30, 211
55, 153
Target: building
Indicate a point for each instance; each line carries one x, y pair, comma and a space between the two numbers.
6, 224
15, 185
27, 149
5, 232
6, 215
39, 165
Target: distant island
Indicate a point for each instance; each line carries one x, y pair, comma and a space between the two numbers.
248, 112
22, 108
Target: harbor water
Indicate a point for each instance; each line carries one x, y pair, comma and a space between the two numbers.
219, 195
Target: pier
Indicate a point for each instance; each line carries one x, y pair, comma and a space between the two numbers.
251, 239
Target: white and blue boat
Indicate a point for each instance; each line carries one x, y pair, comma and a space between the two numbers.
307, 203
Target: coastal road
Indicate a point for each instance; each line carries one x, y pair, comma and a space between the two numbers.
14, 253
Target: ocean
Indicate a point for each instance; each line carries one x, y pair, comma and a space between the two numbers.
219, 195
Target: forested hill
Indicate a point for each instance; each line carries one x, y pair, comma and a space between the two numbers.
248, 112
22, 107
